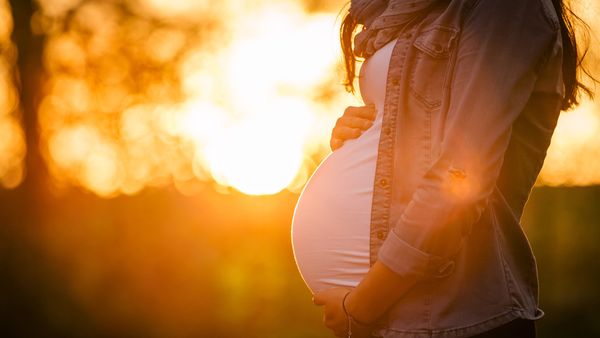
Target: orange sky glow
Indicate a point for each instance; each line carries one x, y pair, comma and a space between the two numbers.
243, 94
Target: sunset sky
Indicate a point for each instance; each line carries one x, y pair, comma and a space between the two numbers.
244, 94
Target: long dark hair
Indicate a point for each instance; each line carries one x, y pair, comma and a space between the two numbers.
573, 54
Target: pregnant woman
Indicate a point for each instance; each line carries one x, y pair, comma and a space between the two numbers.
412, 227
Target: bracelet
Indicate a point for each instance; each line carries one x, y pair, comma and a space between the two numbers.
347, 315
351, 319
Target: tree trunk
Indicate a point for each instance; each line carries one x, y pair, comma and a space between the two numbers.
29, 75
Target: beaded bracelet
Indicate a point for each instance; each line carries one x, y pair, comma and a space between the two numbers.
350, 318
347, 315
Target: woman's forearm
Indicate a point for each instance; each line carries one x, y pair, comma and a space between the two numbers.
376, 293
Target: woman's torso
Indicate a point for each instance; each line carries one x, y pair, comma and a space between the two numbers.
330, 227
495, 275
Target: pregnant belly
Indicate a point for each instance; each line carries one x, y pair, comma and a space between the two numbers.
331, 222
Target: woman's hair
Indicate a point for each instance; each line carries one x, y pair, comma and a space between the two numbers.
572, 56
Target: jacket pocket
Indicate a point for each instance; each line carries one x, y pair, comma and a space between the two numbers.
431, 63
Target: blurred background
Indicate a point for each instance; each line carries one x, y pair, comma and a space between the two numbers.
152, 151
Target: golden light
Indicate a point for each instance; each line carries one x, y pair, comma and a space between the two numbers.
263, 153
574, 154
240, 110
181, 9
241, 93
270, 69
12, 139
84, 150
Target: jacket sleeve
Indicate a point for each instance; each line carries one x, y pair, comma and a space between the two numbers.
501, 45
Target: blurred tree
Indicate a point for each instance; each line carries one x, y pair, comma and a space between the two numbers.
30, 74
24, 284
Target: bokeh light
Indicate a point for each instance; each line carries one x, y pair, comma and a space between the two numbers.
12, 139
148, 93
574, 156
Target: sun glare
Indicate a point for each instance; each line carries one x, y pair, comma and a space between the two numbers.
573, 156
131, 105
261, 154
242, 93
12, 140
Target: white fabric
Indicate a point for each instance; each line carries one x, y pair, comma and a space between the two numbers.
331, 222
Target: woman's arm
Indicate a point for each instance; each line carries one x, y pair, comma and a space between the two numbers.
377, 292
502, 46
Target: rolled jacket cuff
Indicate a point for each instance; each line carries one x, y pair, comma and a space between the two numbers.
405, 260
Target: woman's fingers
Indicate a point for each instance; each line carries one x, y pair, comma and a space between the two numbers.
354, 122
336, 324
344, 133
330, 324
367, 112
318, 299
335, 143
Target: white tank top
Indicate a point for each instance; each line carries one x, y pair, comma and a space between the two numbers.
331, 221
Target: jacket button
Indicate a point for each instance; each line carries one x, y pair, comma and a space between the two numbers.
381, 235
387, 130
383, 182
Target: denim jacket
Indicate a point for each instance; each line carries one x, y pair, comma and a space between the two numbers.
473, 95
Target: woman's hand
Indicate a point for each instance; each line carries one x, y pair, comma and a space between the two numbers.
333, 312
352, 124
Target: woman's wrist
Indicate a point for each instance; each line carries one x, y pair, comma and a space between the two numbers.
376, 293
353, 310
